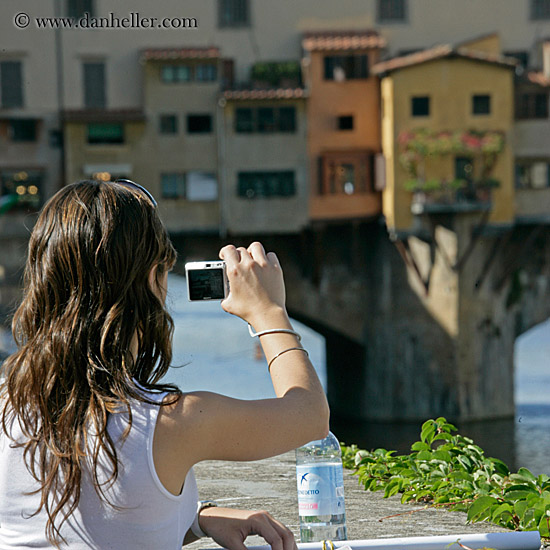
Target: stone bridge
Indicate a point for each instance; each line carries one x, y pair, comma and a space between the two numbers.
415, 327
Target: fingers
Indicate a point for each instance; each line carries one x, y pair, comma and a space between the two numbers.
272, 257
274, 532
230, 254
257, 252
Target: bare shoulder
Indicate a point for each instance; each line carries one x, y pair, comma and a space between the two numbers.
183, 422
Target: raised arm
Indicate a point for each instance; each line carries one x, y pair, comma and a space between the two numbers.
204, 425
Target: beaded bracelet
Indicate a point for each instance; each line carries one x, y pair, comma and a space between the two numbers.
284, 351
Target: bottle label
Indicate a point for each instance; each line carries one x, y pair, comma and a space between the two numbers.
320, 489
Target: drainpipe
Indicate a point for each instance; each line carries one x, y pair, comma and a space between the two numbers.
222, 180
60, 89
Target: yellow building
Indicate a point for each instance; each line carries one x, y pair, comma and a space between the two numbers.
447, 116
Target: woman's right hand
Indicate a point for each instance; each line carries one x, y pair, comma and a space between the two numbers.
256, 285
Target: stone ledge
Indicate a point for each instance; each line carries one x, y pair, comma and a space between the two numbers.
270, 485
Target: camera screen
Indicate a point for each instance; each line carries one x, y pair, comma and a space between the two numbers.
206, 284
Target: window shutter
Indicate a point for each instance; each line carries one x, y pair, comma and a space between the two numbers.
94, 86
11, 84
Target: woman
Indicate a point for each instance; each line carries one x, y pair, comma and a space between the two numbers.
94, 451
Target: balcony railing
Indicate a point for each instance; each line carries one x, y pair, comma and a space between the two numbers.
456, 196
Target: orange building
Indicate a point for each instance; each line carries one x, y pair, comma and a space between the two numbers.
343, 116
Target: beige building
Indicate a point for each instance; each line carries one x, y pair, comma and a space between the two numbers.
531, 138
264, 161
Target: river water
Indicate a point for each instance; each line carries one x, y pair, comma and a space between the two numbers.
213, 351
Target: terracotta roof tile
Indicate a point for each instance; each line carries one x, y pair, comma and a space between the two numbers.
440, 52
167, 54
342, 40
538, 78
273, 93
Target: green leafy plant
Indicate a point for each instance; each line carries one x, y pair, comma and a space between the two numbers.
275, 73
447, 469
481, 147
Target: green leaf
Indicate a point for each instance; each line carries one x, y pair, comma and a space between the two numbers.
428, 431
517, 495
420, 446
424, 455
525, 473
500, 467
481, 508
543, 527
442, 455
500, 510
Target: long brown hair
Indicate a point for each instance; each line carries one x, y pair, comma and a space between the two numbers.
86, 297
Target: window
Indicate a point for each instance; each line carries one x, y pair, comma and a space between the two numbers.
168, 124
175, 73
105, 133
201, 186
172, 185
23, 129
265, 120
345, 122
244, 120
521, 56
346, 67
77, 8
252, 185
26, 184
233, 13
206, 73
94, 85
11, 84
392, 11
532, 105
464, 169
191, 186
481, 104
420, 106
540, 9
533, 175
199, 124
287, 119
346, 173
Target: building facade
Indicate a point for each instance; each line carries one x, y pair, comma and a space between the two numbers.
68, 96
447, 126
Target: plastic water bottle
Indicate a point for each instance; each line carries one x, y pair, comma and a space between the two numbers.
320, 479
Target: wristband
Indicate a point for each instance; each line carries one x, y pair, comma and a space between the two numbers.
195, 527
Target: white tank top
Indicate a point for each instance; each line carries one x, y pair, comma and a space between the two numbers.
146, 516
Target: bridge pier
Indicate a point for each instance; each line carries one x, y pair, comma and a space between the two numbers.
426, 326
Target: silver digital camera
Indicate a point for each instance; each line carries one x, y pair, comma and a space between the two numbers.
206, 280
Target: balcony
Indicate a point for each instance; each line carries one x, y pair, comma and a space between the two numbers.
346, 186
450, 171
457, 196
